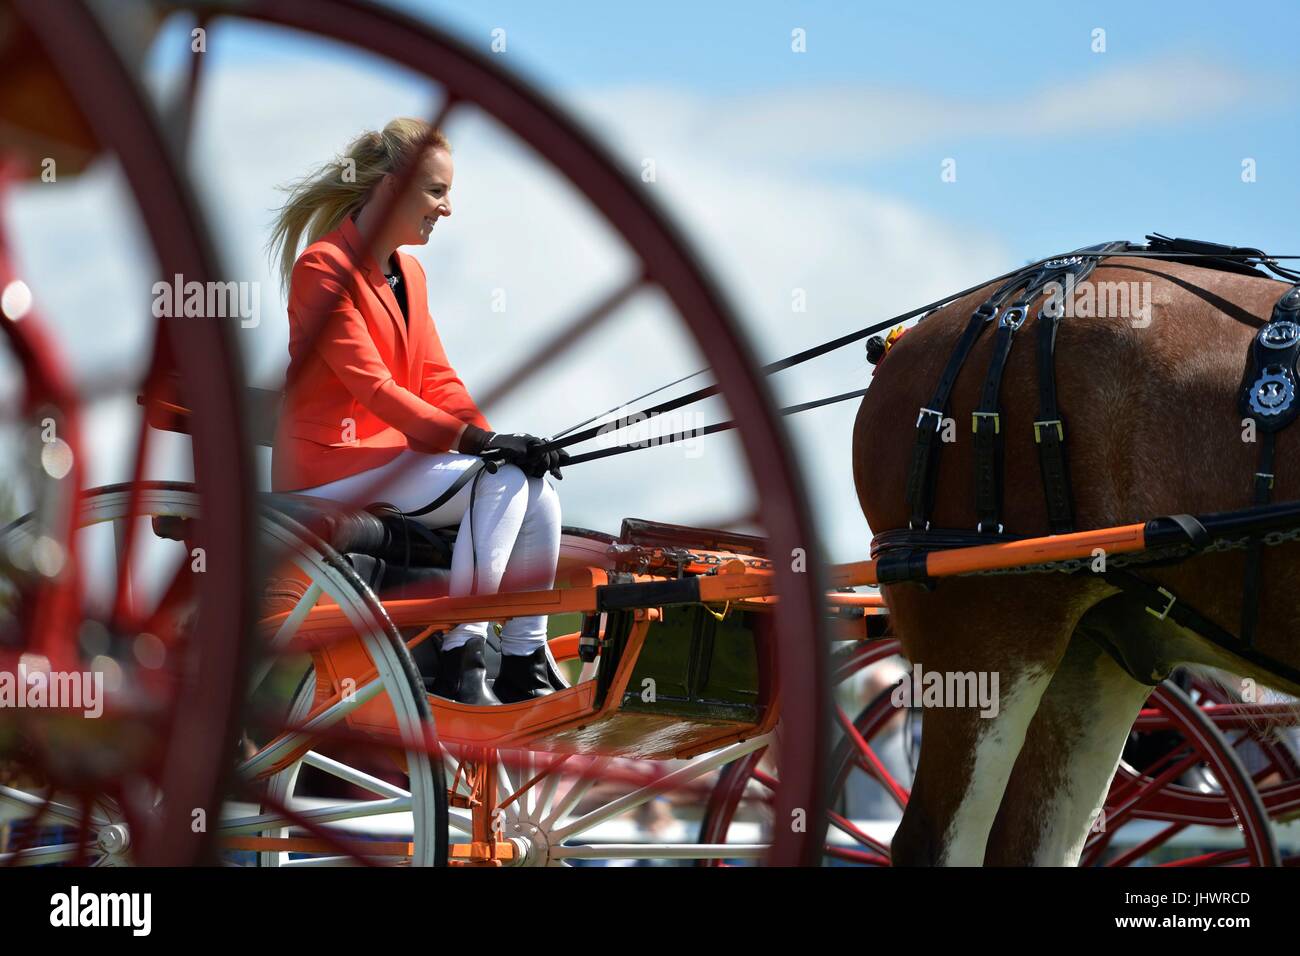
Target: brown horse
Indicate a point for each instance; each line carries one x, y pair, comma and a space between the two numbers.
1154, 429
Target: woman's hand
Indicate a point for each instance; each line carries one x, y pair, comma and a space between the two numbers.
540, 462
518, 448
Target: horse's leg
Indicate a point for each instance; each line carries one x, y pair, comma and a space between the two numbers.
991, 626
1075, 741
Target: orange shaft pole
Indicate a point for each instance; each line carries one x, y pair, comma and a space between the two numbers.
1008, 554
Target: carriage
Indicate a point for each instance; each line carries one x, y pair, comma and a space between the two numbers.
265, 706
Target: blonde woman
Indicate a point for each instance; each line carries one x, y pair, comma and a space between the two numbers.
373, 407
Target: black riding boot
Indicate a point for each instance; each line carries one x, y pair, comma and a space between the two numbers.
522, 676
462, 675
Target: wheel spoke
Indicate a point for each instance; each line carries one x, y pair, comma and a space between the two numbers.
561, 342
660, 851
43, 855
353, 776
549, 784
59, 811
282, 746
251, 825
875, 767
586, 780
288, 628
696, 768
504, 789
851, 829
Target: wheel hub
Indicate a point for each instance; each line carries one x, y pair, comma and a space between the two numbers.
532, 841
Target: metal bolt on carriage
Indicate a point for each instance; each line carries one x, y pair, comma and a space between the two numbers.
263, 705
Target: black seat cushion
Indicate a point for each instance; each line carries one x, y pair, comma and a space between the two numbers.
382, 534
398, 541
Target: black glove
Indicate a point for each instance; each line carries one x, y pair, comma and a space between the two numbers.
540, 462
513, 449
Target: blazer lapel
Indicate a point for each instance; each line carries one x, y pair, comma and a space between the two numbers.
417, 304
377, 282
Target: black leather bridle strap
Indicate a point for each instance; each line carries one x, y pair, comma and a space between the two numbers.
1049, 429
1162, 604
929, 422
986, 425
1269, 399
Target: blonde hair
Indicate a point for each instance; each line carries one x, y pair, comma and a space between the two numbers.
318, 203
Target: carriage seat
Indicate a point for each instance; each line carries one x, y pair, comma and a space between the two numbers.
348, 530
395, 555
392, 554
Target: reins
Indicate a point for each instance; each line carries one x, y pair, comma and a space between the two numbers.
1158, 247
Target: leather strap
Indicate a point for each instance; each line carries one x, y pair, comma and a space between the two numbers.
461, 480
1163, 604
925, 453
1269, 399
1049, 430
986, 424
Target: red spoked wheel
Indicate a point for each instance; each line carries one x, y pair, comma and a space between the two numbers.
1182, 770
1264, 735
662, 266
870, 767
1193, 757
138, 774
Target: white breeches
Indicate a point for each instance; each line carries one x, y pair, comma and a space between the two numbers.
511, 538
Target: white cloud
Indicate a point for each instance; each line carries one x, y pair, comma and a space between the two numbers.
852, 123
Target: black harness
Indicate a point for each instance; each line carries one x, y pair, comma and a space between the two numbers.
1270, 400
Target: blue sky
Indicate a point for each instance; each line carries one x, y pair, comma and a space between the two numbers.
1043, 191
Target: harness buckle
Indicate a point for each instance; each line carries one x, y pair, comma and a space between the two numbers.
938, 417
1169, 605
911, 525
1264, 474
979, 527
988, 310
1039, 426
1014, 317
975, 421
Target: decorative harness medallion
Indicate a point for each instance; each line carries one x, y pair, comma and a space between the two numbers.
1281, 334
1273, 392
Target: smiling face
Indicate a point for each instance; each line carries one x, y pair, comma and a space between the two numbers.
425, 202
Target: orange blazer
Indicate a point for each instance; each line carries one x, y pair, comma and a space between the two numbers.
367, 387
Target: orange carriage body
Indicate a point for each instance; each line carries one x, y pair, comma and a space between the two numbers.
593, 717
